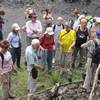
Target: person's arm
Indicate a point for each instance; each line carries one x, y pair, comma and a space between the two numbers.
89, 33
9, 38
74, 40
87, 44
37, 66
10, 63
28, 29
31, 60
59, 39
39, 30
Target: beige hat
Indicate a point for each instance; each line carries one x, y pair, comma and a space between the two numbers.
49, 31
15, 26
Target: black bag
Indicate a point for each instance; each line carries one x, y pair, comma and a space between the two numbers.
2, 57
96, 53
34, 73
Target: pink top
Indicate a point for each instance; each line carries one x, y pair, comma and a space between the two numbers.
7, 64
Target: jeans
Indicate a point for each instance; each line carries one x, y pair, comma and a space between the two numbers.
46, 56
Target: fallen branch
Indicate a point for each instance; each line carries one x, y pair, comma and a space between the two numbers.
93, 91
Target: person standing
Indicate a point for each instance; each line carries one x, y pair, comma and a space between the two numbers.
74, 17
14, 39
33, 28
2, 13
56, 29
92, 63
48, 18
47, 46
82, 34
32, 64
6, 65
66, 39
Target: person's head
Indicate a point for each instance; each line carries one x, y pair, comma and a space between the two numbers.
49, 32
76, 11
2, 13
15, 28
35, 44
83, 22
4, 45
81, 17
96, 20
33, 17
85, 13
49, 22
59, 20
67, 26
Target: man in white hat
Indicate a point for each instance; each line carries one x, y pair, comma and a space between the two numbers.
47, 45
14, 39
32, 64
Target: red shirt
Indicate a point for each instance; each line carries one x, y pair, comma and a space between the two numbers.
47, 42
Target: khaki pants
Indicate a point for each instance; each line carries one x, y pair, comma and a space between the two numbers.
65, 59
90, 73
5, 79
32, 83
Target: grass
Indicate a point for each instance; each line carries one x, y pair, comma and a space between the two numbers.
19, 81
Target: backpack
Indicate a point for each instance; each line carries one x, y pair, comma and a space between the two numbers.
54, 27
81, 36
96, 53
2, 57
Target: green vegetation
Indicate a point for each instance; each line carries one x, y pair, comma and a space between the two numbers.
45, 81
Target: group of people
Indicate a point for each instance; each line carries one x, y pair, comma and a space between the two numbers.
47, 43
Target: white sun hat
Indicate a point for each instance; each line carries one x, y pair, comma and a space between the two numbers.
15, 26
49, 31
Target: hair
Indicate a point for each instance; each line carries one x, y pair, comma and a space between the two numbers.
4, 43
2, 12
35, 41
31, 15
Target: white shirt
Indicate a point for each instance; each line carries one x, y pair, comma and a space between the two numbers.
30, 26
14, 40
7, 63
